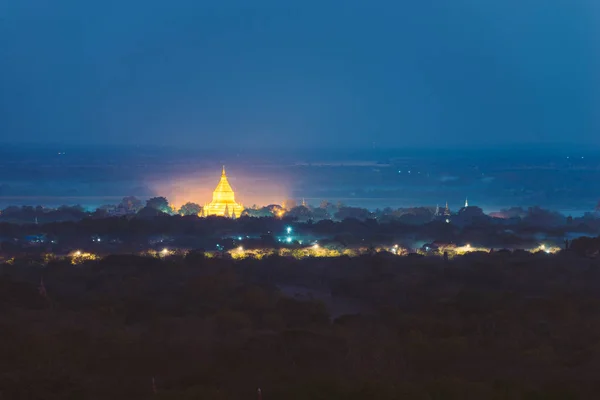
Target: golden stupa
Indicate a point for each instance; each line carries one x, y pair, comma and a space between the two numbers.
223, 203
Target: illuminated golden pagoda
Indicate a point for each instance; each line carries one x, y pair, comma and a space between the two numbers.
223, 203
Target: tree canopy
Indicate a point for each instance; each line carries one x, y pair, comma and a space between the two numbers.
505, 325
159, 203
190, 209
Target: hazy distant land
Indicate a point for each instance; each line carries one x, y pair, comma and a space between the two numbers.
557, 180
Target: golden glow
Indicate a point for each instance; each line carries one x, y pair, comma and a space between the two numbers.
80, 257
223, 202
468, 249
307, 252
546, 249
295, 253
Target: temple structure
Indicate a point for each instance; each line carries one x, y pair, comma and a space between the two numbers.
447, 212
223, 202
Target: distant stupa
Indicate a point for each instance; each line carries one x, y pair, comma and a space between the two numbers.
223, 203
466, 202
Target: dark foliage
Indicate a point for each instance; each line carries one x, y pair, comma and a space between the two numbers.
153, 228
484, 326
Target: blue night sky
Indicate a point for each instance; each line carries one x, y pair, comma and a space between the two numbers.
312, 73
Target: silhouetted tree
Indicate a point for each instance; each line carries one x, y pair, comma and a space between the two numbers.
148, 212
538, 216
320, 213
190, 209
131, 204
352, 212
159, 203
301, 213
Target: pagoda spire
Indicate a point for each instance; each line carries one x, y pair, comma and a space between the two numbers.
447, 210
466, 202
223, 199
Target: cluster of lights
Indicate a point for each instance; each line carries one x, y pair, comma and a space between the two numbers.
79, 257
288, 230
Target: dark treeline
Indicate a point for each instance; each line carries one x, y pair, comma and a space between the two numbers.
483, 326
135, 233
159, 206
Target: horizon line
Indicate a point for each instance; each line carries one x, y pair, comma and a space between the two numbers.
527, 146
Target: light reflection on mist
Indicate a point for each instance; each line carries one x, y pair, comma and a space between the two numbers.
250, 188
